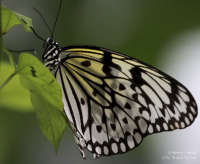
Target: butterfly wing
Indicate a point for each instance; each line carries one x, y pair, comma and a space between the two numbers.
113, 101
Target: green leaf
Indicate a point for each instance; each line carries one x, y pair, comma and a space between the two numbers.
10, 19
10, 57
27, 24
51, 120
36, 76
46, 96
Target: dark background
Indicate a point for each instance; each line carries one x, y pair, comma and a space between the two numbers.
165, 34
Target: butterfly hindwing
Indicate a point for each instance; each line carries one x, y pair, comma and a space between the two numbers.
113, 101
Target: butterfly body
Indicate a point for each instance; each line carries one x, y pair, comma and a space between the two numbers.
112, 101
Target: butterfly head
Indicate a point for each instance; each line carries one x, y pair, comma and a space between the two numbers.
51, 52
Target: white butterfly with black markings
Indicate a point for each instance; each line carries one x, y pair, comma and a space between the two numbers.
112, 101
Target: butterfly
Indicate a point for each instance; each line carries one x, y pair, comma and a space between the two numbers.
112, 101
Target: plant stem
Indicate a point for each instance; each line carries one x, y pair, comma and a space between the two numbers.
8, 79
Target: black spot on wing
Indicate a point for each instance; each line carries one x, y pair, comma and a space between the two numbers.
113, 127
82, 101
125, 120
122, 87
86, 63
136, 75
99, 128
127, 106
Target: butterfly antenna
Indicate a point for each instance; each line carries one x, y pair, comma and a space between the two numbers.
56, 18
33, 30
37, 34
42, 19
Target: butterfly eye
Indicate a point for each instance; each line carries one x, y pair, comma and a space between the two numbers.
51, 41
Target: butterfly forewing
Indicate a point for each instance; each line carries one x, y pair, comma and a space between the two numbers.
113, 101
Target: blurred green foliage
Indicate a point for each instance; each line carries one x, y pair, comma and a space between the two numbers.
10, 19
